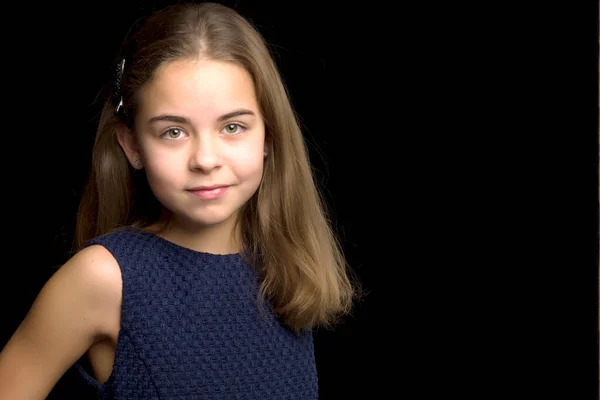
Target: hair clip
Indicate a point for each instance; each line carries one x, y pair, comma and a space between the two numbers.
119, 78
119, 105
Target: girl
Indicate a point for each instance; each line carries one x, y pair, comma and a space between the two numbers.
204, 256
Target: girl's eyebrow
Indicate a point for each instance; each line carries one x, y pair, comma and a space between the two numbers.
184, 120
236, 113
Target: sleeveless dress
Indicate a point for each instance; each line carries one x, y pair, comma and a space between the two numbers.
191, 328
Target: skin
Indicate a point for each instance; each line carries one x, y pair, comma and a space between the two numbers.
193, 144
78, 310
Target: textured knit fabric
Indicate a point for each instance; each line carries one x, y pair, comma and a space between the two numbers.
191, 328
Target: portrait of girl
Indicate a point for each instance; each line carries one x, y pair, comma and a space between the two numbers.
204, 254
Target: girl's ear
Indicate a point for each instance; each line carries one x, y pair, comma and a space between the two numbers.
126, 139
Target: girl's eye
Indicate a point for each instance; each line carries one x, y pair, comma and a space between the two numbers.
233, 129
173, 133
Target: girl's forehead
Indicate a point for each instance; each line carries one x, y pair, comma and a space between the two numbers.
193, 85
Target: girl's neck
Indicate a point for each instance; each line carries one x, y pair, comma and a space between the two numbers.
221, 238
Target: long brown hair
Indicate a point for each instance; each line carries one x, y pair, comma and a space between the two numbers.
286, 231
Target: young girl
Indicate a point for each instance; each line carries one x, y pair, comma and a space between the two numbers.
204, 256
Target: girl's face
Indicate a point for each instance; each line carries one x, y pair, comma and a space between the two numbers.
200, 137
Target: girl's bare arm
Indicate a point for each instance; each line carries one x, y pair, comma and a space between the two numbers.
78, 306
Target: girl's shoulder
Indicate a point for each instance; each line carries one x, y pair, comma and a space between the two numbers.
77, 306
